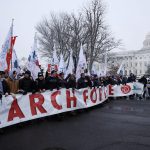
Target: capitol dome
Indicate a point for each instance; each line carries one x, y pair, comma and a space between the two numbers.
146, 43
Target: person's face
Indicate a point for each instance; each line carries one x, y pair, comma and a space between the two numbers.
54, 74
26, 75
15, 74
83, 75
72, 77
41, 77
62, 76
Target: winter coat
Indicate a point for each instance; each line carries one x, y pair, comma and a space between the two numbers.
27, 85
71, 83
52, 83
143, 80
40, 84
62, 83
5, 87
13, 85
83, 83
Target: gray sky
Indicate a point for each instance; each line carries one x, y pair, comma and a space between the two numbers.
129, 20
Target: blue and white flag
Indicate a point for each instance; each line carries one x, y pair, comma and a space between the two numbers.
121, 70
33, 63
15, 62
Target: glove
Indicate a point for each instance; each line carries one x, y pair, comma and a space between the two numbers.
24, 93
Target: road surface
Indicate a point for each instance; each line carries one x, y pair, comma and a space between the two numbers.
116, 125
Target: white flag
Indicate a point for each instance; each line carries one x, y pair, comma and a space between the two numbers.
70, 68
82, 64
105, 65
62, 66
55, 60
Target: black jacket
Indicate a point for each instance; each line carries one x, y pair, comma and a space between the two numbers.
27, 85
84, 82
40, 84
52, 83
62, 83
5, 87
143, 80
71, 84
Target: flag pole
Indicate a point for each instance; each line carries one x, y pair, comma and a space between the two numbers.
12, 37
106, 63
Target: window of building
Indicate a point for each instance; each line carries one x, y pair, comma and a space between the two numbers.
140, 71
145, 63
136, 64
140, 64
140, 57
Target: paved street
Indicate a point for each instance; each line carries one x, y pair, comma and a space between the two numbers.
116, 125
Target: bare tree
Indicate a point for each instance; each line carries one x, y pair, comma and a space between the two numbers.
69, 31
99, 38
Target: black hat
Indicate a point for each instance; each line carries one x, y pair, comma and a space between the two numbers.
2, 72
53, 71
40, 74
61, 74
28, 72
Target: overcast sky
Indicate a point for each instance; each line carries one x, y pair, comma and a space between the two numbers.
129, 20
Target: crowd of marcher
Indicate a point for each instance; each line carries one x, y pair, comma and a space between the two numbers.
24, 83
14, 83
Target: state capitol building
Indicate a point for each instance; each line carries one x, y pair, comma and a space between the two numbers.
135, 62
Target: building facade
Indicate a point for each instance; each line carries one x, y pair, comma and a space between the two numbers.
136, 62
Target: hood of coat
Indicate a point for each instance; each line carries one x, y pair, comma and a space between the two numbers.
11, 76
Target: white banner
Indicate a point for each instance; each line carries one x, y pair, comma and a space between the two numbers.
126, 90
32, 106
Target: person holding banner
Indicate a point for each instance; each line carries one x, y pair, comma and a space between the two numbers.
27, 84
83, 82
143, 80
71, 81
131, 78
13, 82
52, 81
95, 81
40, 83
62, 81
